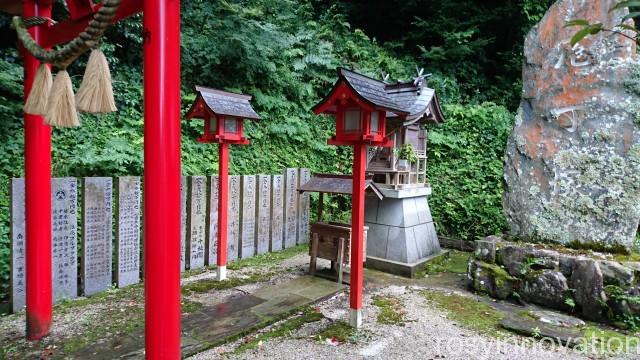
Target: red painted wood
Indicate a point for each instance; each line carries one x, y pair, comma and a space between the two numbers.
80, 8
37, 168
67, 30
223, 200
162, 178
337, 142
357, 225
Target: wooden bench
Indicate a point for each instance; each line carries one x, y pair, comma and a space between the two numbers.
332, 241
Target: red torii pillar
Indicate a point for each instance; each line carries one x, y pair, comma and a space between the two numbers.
223, 201
37, 173
161, 174
162, 178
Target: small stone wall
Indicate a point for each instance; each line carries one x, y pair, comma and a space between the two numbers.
596, 287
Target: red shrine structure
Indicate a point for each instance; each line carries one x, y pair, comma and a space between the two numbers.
379, 119
223, 114
161, 23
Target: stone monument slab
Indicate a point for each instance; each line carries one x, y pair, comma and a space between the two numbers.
213, 221
64, 238
248, 241
18, 252
183, 223
291, 208
277, 213
128, 231
233, 228
197, 221
303, 209
97, 235
264, 213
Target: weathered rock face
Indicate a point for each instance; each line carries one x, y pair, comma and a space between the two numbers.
572, 165
587, 281
595, 288
546, 287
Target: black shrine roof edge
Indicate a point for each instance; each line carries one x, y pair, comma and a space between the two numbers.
226, 103
410, 101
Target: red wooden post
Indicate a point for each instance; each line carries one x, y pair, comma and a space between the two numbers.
357, 233
162, 178
37, 169
223, 191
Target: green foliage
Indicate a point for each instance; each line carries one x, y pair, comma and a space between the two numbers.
407, 152
465, 170
623, 28
468, 41
282, 52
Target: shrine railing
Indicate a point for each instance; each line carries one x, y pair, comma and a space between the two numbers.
265, 214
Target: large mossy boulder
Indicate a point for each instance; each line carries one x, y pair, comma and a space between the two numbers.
572, 164
563, 279
491, 279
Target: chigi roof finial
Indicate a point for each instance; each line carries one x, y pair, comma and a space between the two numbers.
385, 76
418, 81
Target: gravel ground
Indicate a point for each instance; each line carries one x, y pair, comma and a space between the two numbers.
427, 334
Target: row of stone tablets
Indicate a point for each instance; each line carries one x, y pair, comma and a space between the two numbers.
96, 268
265, 213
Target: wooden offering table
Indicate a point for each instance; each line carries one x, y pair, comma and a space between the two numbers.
332, 241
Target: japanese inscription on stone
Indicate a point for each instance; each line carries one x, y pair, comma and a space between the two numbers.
197, 221
183, 222
303, 209
248, 216
213, 221
277, 213
233, 225
64, 238
264, 213
291, 208
97, 235
18, 254
128, 231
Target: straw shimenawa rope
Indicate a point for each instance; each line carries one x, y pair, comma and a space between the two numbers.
59, 104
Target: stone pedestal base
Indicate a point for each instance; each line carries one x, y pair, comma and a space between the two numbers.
222, 273
355, 318
402, 236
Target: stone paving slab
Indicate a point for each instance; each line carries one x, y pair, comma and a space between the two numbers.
213, 324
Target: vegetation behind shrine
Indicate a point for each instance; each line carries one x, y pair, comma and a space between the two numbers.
284, 53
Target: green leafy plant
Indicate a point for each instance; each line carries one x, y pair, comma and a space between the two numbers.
465, 170
407, 152
529, 263
570, 302
587, 28
535, 332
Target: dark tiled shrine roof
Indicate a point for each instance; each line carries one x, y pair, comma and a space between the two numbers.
410, 100
370, 89
226, 103
335, 184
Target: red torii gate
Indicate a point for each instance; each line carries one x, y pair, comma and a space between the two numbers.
161, 171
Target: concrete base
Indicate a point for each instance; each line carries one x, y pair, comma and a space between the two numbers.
403, 269
355, 318
222, 273
401, 233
